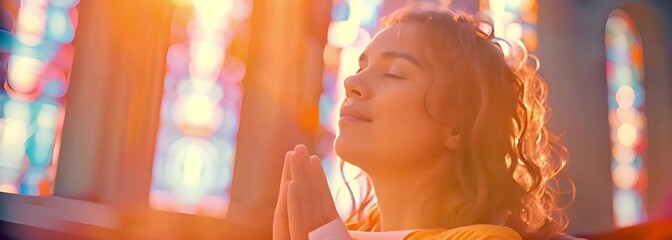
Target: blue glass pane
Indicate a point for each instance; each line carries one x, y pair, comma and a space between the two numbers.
59, 26
340, 11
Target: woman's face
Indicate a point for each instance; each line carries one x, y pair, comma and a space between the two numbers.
384, 121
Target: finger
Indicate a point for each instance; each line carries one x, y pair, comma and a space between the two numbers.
280, 218
300, 171
319, 177
286, 176
281, 205
280, 222
296, 164
295, 214
303, 159
327, 202
318, 172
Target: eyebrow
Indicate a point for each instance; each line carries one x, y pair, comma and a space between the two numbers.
407, 57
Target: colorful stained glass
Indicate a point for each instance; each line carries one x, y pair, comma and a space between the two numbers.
627, 118
200, 109
514, 20
32, 100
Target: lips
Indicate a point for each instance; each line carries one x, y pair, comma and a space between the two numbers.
349, 113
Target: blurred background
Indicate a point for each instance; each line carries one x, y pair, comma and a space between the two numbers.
169, 119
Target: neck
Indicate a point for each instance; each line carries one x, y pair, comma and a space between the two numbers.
413, 198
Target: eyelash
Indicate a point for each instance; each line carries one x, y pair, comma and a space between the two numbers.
393, 76
384, 74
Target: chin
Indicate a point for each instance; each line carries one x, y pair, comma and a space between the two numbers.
352, 151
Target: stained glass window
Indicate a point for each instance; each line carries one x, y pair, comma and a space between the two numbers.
627, 118
513, 20
32, 99
200, 109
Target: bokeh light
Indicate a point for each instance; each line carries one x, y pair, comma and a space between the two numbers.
31, 23
627, 134
59, 27
626, 118
24, 73
200, 109
32, 102
513, 20
625, 176
625, 97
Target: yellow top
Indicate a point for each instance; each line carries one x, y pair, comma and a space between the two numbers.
471, 232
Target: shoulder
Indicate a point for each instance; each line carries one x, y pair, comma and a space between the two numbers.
471, 232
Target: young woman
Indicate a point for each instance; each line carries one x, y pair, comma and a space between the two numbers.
452, 133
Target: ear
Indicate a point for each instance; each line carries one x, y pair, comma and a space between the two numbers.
452, 140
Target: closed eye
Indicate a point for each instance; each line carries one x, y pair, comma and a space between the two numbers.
393, 76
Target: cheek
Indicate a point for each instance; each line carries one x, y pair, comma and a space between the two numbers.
410, 134
404, 128
401, 134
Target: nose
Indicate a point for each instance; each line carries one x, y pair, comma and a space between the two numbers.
354, 87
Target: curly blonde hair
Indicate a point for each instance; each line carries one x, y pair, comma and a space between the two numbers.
508, 162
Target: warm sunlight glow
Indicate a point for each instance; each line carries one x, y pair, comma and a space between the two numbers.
514, 31
206, 59
199, 110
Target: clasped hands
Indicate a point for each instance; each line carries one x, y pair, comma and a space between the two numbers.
304, 202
